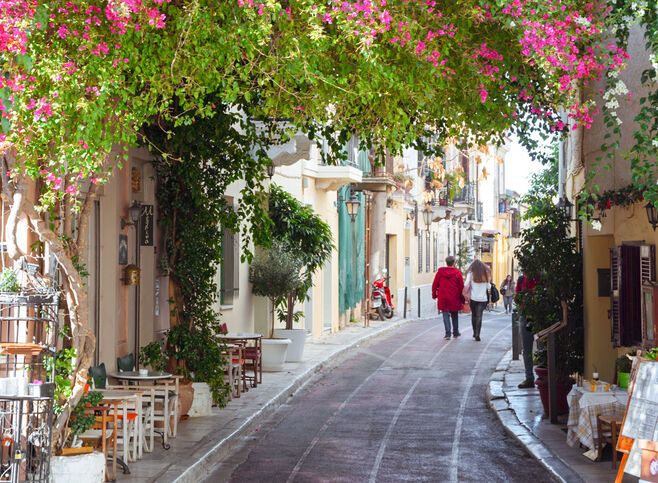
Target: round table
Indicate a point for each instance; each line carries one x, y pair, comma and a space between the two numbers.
136, 376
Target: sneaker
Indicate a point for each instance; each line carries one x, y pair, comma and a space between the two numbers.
527, 384
447, 337
456, 335
477, 338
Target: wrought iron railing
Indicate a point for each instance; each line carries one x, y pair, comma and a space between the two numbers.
466, 195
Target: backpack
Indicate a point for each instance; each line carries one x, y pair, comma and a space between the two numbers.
494, 295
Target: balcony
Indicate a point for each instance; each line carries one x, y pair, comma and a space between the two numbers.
329, 177
466, 196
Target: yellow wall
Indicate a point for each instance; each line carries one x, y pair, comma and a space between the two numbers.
598, 347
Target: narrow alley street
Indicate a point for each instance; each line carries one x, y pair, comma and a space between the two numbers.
408, 406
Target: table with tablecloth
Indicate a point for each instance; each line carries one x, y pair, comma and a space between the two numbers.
585, 406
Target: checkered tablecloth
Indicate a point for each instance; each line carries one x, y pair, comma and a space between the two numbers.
584, 407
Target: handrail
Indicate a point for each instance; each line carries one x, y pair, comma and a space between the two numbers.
557, 326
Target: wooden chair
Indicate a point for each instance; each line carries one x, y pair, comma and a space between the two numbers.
103, 435
608, 428
253, 358
234, 370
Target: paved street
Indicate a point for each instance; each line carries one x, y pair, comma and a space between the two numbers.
408, 406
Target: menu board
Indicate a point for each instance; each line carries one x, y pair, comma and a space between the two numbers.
640, 426
641, 420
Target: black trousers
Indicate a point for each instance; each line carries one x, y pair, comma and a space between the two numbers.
477, 308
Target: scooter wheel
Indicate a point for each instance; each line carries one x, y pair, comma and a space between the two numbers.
388, 312
380, 312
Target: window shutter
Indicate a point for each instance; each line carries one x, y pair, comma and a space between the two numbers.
615, 277
647, 277
647, 263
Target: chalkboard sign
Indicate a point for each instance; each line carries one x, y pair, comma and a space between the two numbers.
146, 226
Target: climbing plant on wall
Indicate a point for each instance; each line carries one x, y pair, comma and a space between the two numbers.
195, 164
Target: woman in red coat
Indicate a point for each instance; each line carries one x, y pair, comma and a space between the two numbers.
447, 290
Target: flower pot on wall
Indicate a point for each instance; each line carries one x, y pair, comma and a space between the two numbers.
622, 379
84, 468
298, 341
274, 354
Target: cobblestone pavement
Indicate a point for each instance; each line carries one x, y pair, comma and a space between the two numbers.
408, 406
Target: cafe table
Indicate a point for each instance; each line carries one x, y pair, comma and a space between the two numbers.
584, 407
151, 378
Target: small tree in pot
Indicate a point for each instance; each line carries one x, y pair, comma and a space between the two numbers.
307, 236
275, 273
548, 254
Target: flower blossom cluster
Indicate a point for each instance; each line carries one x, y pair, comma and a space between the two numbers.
80, 33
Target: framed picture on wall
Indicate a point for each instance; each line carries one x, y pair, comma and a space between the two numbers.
123, 249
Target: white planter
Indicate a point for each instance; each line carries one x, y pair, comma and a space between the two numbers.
84, 468
274, 354
202, 402
296, 347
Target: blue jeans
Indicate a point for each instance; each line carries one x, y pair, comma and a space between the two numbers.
455, 322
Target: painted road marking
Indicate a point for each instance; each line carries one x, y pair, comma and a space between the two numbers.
325, 426
389, 431
454, 464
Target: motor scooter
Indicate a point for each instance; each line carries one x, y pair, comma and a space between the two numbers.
381, 297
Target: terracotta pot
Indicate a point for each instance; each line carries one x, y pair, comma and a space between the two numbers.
185, 397
563, 388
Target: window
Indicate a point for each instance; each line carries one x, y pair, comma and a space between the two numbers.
449, 252
230, 267
435, 251
420, 251
427, 251
631, 267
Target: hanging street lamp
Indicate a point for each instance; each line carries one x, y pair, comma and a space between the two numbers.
427, 215
352, 206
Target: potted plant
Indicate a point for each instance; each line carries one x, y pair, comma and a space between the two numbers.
549, 255
75, 460
305, 234
623, 367
152, 355
275, 273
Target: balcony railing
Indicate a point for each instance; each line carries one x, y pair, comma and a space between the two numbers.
466, 195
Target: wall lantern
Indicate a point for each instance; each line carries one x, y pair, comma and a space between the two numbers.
270, 170
131, 275
652, 214
134, 211
566, 206
427, 215
352, 206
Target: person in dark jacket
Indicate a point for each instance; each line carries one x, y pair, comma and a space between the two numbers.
524, 285
447, 290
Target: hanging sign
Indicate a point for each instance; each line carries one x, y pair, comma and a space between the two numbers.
146, 226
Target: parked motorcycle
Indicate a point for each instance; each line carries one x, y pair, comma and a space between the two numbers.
381, 297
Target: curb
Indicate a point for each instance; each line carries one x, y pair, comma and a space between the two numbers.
202, 467
499, 404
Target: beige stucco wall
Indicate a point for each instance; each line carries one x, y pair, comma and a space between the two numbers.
620, 224
116, 334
